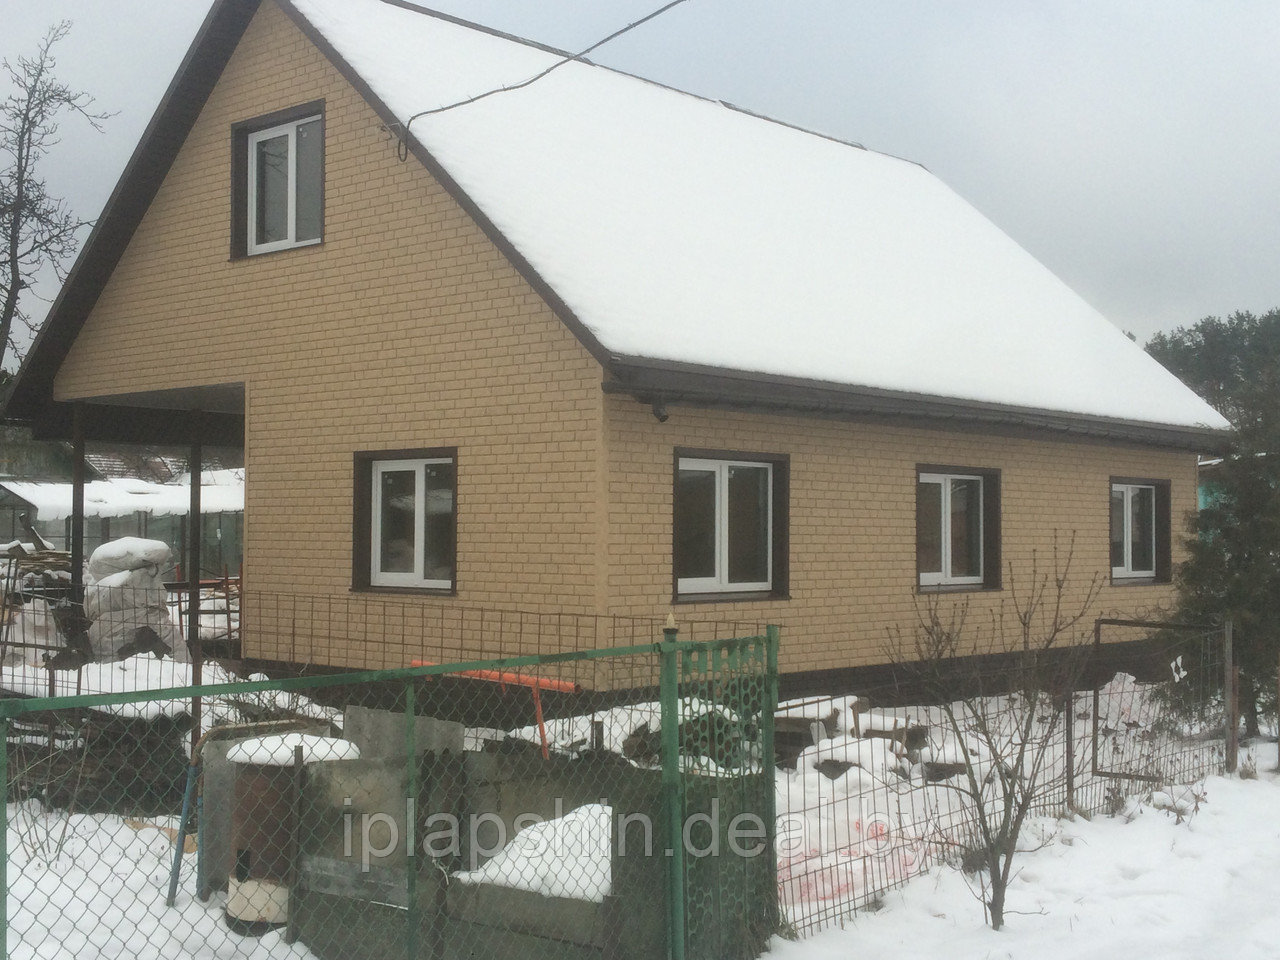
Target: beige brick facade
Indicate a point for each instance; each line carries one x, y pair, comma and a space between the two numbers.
408, 328
852, 522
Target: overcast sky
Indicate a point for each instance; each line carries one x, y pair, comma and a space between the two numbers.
1132, 147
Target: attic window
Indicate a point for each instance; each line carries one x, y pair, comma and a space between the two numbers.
278, 181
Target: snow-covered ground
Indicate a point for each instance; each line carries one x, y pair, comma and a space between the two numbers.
1137, 885
98, 890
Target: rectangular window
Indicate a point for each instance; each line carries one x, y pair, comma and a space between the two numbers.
728, 532
405, 534
1140, 534
957, 527
278, 181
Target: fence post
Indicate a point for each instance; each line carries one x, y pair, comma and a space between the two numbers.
1229, 686
1069, 729
669, 693
4, 837
411, 821
770, 759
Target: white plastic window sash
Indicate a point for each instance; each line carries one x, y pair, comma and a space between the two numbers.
290, 132
944, 576
719, 583
1129, 493
416, 578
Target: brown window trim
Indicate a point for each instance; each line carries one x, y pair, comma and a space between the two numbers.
992, 565
362, 518
1163, 533
780, 517
240, 132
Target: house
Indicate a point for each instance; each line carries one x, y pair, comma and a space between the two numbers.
512, 373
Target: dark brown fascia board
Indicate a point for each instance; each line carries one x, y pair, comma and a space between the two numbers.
116, 424
433, 166
30, 396
671, 382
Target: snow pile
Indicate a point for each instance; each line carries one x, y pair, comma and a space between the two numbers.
280, 750
564, 857
873, 761
140, 673
714, 739
126, 602
32, 623
103, 894
147, 673
1142, 885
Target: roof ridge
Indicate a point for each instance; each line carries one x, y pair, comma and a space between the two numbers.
482, 28
579, 58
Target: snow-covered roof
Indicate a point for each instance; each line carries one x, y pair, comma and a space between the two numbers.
678, 229
220, 477
122, 497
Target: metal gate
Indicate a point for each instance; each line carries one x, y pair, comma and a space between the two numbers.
718, 772
1167, 714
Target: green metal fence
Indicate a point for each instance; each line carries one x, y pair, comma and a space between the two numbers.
607, 803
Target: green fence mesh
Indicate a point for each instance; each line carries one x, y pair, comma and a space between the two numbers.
501, 808
726, 697
642, 800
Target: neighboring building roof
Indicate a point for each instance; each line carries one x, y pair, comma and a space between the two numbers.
114, 464
223, 493
700, 252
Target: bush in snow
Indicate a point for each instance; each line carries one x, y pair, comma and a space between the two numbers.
1001, 726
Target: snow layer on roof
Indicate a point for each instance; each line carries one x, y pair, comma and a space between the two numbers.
124, 497
679, 229
278, 750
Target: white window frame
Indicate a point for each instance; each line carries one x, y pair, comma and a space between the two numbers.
1127, 570
719, 583
944, 577
289, 130
416, 579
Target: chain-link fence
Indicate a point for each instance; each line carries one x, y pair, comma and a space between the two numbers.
874, 786
472, 809
602, 803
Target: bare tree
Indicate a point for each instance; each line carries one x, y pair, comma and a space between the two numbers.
37, 230
1002, 699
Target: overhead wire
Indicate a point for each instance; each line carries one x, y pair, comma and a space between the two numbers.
402, 147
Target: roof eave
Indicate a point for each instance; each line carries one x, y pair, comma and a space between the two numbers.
671, 382
30, 396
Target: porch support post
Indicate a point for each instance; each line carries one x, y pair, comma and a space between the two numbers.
77, 503
195, 469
